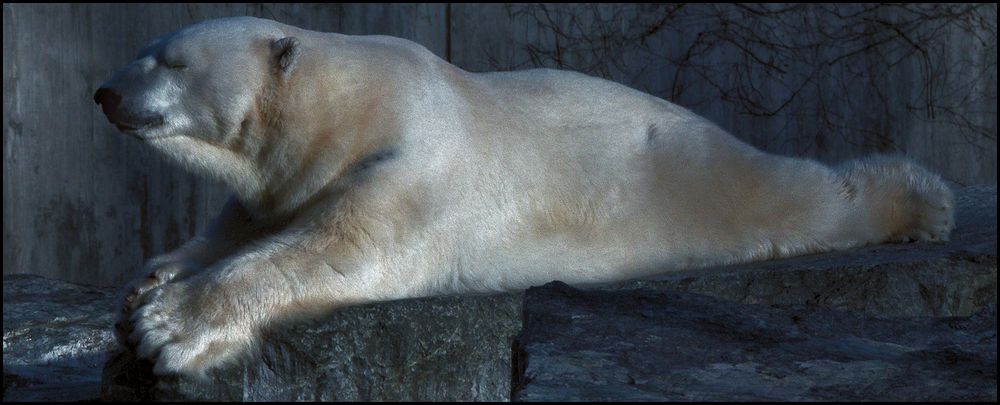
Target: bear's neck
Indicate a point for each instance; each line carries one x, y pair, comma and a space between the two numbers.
316, 139
309, 164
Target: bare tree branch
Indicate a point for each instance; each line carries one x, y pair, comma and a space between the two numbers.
815, 63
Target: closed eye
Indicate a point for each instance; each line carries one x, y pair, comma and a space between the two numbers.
172, 63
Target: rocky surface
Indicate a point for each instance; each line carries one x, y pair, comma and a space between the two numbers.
663, 345
433, 349
56, 339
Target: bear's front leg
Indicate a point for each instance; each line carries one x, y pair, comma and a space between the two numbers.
231, 229
192, 325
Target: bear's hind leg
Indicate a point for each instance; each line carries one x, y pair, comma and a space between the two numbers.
906, 202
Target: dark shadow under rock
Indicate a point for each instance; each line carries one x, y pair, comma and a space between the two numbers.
639, 345
127, 378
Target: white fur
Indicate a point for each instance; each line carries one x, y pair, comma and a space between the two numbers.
373, 170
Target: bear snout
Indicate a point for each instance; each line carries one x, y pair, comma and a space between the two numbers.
110, 102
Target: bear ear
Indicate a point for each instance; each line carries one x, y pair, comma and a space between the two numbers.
285, 52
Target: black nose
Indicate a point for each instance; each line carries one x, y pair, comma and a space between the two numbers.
120, 115
108, 100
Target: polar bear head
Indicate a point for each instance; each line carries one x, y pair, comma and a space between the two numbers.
196, 94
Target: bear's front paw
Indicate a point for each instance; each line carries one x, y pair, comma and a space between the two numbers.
185, 331
156, 273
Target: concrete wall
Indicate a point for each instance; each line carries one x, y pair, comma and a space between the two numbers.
86, 204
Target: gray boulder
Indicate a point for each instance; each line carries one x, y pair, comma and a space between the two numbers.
56, 339
433, 349
662, 345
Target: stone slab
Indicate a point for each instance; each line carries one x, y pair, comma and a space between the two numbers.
663, 345
431, 349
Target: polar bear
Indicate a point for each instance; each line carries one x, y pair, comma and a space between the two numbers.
365, 168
